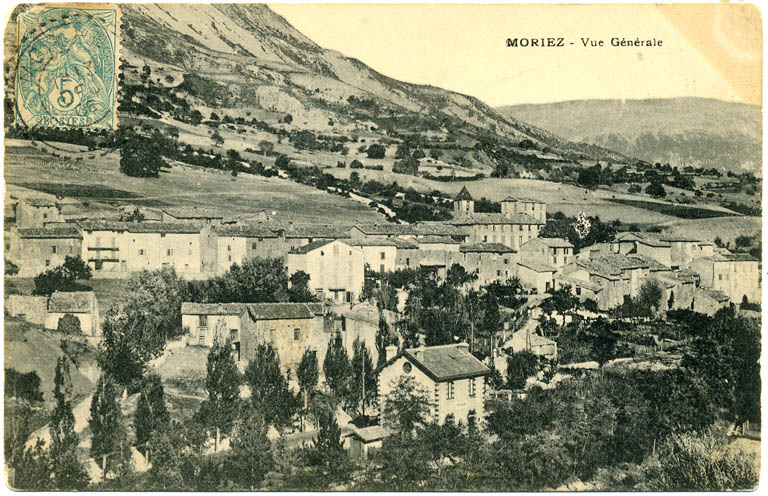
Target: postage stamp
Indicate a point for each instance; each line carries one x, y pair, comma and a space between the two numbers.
67, 61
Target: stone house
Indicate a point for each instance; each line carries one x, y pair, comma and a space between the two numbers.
535, 208
290, 328
734, 274
552, 251
708, 301
510, 230
33, 309
37, 249
237, 243
36, 212
538, 345
536, 275
452, 377
81, 304
379, 254
114, 248
492, 261
335, 269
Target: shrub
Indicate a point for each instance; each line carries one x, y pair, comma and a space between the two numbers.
24, 386
376, 151
69, 324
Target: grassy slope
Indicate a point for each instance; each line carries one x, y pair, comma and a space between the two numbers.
187, 187
26, 344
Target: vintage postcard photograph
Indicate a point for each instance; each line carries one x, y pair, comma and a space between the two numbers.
382, 247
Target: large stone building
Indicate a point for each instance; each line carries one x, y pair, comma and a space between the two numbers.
37, 249
336, 270
453, 379
737, 275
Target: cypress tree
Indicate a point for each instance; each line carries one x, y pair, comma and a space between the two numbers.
68, 472
337, 368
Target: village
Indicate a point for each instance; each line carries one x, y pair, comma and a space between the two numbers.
351, 306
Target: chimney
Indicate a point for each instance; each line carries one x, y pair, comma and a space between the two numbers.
464, 346
391, 351
419, 353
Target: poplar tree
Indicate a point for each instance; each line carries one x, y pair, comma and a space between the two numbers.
68, 473
151, 412
269, 389
223, 381
107, 427
337, 368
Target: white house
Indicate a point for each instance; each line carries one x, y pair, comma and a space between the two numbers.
452, 377
336, 270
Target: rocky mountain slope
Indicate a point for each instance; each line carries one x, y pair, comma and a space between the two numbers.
681, 131
246, 57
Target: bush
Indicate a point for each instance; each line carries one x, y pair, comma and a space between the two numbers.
376, 151
24, 386
69, 324
140, 156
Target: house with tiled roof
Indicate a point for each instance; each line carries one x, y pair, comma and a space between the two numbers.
491, 261
535, 208
81, 304
453, 378
511, 230
37, 249
536, 275
735, 274
113, 248
290, 328
36, 212
336, 269
554, 251
192, 214
240, 242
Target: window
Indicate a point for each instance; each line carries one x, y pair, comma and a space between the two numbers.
203, 320
169, 251
229, 247
381, 268
407, 262
578, 291
322, 253
53, 249
383, 255
451, 390
141, 252
485, 239
472, 387
45, 216
253, 246
407, 367
229, 258
47, 263
498, 273
506, 261
719, 277
296, 334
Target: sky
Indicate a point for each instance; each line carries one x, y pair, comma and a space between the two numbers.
712, 51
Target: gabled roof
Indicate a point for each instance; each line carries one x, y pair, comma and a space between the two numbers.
371, 433
443, 363
387, 229
302, 250
246, 231
59, 231
39, 202
192, 213
555, 242
141, 227
463, 195
372, 242
525, 200
488, 219
536, 266
652, 264
188, 308
279, 311
713, 294
427, 240
486, 248
74, 302
580, 283
311, 231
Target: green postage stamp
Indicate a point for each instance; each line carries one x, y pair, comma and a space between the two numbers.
67, 63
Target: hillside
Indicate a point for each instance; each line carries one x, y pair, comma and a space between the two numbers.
681, 131
252, 62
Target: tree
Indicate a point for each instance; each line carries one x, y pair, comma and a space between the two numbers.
520, 366
122, 356
298, 291
327, 455
406, 406
68, 473
69, 324
165, 474
362, 387
217, 138
109, 441
152, 414
384, 337
266, 147
648, 301
269, 389
257, 280
337, 368
140, 156
214, 116
222, 383
656, 190
307, 372
590, 177
63, 277
376, 151
355, 164
251, 456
